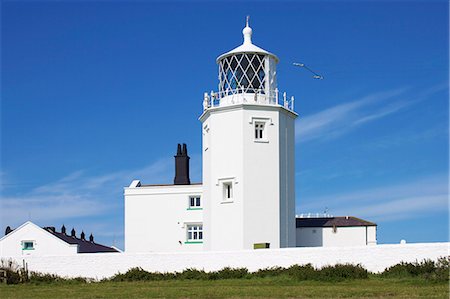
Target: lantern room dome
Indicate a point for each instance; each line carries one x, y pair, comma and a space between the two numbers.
247, 46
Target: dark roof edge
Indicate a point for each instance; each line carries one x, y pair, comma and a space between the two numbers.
167, 185
340, 221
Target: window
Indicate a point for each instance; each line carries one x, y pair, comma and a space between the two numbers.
226, 186
259, 131
242, 73
228, 191
194, 233
195, 202
27, 245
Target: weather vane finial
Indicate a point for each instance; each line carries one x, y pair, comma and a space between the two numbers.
247, 20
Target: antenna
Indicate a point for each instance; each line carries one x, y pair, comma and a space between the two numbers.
315, 75
247, 21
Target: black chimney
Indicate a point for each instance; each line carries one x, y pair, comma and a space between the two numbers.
72, 233
8, 230
82, 236
63, 229
91, 238
182, 166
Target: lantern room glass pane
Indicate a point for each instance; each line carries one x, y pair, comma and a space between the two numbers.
242, 73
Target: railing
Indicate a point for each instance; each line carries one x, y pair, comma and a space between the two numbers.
314, 215
248, 96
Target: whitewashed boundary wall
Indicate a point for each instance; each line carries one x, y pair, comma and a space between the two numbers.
102, 265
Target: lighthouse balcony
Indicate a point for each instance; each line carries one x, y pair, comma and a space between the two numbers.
247, 96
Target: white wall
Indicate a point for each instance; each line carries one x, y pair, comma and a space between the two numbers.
309, 236
263, 204
372, 235
344, 236
261, 177
287, 179
156, 217
223, 160
44, 242
100, 265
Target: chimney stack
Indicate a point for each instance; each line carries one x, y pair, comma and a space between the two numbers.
91, 238
63, 229
82, 236
72, 233
182, 166
8, 230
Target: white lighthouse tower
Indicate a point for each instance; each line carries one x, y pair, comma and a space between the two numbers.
248, 154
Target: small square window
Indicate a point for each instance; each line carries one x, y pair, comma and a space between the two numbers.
195, 202
194, 233
27, 245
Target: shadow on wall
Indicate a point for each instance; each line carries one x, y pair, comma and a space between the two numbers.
309, 237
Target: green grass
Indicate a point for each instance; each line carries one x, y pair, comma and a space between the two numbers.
269, 287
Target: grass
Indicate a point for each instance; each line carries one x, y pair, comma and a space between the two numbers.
268, 287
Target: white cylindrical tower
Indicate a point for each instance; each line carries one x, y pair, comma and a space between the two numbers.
248, 154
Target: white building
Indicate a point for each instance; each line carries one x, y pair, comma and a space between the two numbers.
331, 231
32, 240
158, 217
247, 196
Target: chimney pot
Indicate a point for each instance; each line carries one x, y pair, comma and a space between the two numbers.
91, 238
82, 236
63, 229
182, 166
8, 230
72, 233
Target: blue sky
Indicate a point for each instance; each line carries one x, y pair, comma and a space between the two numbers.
95, 94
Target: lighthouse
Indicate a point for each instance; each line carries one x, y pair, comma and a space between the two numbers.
246, 199
248, 154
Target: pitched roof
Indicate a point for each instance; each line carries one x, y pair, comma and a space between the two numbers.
84, 246
332, 221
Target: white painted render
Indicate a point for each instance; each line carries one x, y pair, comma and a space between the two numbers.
101, 265
261, 171
44, 242
339, 237
156, 217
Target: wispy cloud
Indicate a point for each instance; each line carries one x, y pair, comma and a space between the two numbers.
390, 202
337, 120
340, 119
78, 195
86, 201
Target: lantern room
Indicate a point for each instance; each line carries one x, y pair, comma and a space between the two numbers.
247, 74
